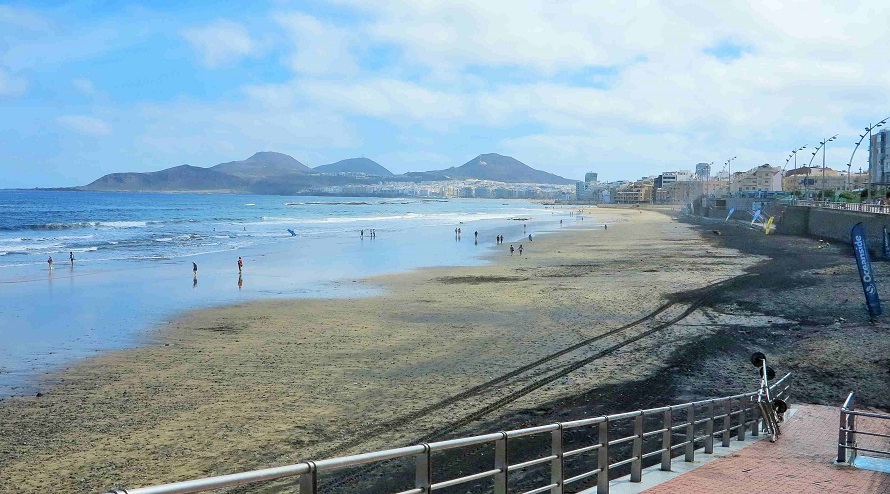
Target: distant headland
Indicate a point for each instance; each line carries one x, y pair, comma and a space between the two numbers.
277, 173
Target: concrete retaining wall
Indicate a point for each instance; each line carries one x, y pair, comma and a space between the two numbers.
829, 224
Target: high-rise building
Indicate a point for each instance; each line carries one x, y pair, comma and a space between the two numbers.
878, 158
703, 171
590, 177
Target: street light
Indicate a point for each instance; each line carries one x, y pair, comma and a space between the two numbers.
868, 131
821, 145
794, 155
729, 166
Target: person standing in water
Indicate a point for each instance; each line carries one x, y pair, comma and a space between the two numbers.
240, 264
71, 257
511, 251
195, 268
361, 234
50, 262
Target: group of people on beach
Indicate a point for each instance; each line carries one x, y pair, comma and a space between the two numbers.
70, 258
240, 269
512, 249
372, 233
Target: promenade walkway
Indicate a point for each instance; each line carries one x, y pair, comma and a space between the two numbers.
800, 462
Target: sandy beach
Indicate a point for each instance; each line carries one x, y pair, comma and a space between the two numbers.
649, 311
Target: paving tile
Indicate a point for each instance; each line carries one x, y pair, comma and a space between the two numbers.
800, 462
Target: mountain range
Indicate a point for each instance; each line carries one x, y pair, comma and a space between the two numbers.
276, 173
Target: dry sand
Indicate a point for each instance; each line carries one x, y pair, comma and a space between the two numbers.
275, 382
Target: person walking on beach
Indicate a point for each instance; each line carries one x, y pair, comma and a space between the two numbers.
476, 235
50, 262
605, 227
195, 269
511, 251
361, 234
520, 249
240, 265
71, 257
529, 237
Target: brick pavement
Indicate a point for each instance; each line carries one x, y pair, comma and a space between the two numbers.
800, 462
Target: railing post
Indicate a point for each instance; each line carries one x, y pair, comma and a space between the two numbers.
727, 421
636, 468
602, 478
690, 434
851, 437
743, 424
755, 418
423, 477
556, 466
309, 481
500, 462
842, 439
668, 422
709, 430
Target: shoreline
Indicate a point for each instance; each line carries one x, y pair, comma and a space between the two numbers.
253, 366
276, 382
105, 305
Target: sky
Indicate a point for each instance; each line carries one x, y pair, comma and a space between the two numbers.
624, 88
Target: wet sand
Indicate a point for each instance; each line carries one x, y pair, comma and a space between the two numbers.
275, 382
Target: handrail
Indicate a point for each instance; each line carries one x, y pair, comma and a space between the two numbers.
846, 206
847, 431
735, 408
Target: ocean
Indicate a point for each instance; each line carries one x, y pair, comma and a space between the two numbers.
134, 253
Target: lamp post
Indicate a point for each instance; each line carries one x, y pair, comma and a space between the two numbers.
794, 155
824, 150
729, 167
809, 165
867, 132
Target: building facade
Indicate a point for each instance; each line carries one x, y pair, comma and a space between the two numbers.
635, 193
762, 178
878, 159
590, 177
703, 171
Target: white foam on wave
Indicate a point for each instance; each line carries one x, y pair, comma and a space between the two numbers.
124, 224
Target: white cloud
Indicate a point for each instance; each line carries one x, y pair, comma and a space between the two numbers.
10, 85
319, 48
221, 42
84, 86
398, 101
21, 18
86, 125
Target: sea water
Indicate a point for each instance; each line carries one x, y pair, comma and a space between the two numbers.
134, 253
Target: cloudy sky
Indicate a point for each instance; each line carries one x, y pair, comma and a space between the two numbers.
625, 88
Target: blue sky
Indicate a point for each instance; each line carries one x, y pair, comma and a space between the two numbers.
625, 89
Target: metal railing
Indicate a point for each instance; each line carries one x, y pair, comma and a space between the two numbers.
847, 432
702, 422
846, 206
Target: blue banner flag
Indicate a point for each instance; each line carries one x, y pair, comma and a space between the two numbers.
866, 274
730, 213
886, 244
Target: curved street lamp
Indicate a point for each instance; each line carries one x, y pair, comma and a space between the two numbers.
821, 145
729, 166
868, 131
792, 155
